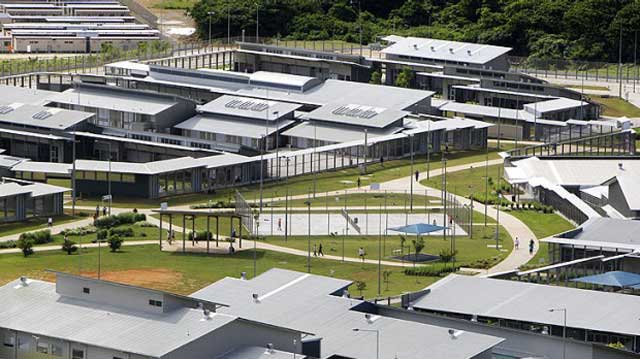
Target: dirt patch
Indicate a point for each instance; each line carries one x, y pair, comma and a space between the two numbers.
150, 278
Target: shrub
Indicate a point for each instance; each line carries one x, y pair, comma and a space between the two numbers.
115, 242
118, 219
26, 245
102, 234
446, 255
8, 244
145, 224
38, 237
69, 246
430, 271
80, 231
202, 235
122, 232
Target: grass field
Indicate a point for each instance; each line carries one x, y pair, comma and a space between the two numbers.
374, 200
325, 181
467, 182
542, 224
186, 273
616, 107
470, 251
33, 224
587, 87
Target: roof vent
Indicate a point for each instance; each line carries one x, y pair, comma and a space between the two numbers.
469, 52
451, 50
415, 46
207, 313
243, 276
41, 115
433, 49
474, 318
24, 281
256, 298
454, 334
5, 109
620, 166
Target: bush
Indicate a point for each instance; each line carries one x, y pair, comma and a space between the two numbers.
38, 237
8, 244
202, 235
80, 231
118, 219
26, 245
122, 232
69, 246
102, 234
212, 204
115, 242
144, 224
430, 271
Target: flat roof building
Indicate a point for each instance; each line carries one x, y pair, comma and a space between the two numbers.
20, 200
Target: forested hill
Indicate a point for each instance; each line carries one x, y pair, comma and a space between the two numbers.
573, 29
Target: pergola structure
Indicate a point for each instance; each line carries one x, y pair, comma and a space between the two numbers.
190, 216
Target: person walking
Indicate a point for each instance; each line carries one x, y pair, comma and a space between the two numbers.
104, 210
382, 161
358, 182
194, 238
531, 244
50, 222
361, 253
320, 252
417, 175
280, 224
315, 250
97, 211
517, 243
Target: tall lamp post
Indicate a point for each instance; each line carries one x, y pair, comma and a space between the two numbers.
255, 245
108, 176
411, 174
257, 22
308, 204
210, 13
564, 329
377, 338
228, 23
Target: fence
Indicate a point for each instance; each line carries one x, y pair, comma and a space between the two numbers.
243, 209
576, 70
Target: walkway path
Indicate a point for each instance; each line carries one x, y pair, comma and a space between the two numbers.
511, 224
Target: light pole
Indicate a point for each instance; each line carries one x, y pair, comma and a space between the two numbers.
308, 203
377, 338
359, 23
210, 13
255, 245
275, 118
228, 23
257, 22
428, 149
108, 175
73, 177
263, 145
620, 64
564, 329
411, 174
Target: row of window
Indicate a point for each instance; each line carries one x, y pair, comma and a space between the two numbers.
105, 176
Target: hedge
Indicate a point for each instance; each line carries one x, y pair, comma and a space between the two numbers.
119, 219
38, 237
430, 271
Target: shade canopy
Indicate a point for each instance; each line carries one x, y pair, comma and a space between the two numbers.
418, 228
618, 279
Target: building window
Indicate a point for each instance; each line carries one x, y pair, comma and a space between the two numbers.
86, 290
42, 348
77, 354
9, 340
155, 303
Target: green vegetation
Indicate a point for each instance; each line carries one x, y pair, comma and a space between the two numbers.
476, 252
616, 107
324, 181
33, 224
587, 87
373, 200
175, 4
186, 273
541, 29
471, 182
542, 224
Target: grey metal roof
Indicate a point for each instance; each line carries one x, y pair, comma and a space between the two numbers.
225, 159
553, 105
39, 116
445, 50
42, 189
149, 168
334, 133
496, 298
577, 172
630, 190
256, 353
604, 232
358, 114
115, 100
38, 309
246, 107
10, 161
505, 92
14, 94
43, 167
109, 135
228, 126
12, 189
489, 111
301, 300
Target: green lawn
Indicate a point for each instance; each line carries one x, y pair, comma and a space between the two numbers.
616, 107
33, 224
542, 224
324, 181
586, 87
175, 4
186, 273
467, 182
470, 251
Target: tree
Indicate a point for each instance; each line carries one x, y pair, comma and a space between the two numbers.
418, 246
115, 242
446, 255
386, 275
69, 246
26, 246
376, 78
361, 286
404, 78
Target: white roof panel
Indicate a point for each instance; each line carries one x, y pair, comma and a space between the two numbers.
445, 50
234, 127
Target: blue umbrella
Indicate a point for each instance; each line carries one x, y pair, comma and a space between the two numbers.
418, 228
618, 279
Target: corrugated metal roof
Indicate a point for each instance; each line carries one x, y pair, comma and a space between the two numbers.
556, 104
247, 107
528, 302
42, 117
43, 167
301, 300
149, 168
630, 189
257, 353
445, 50
335, 133
358, 114
12, 189
38, 309
115, 100
234, 127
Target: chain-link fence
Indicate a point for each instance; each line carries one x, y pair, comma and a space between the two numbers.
243, 209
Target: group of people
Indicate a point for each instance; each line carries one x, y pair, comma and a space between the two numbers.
531, 245
317, 250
